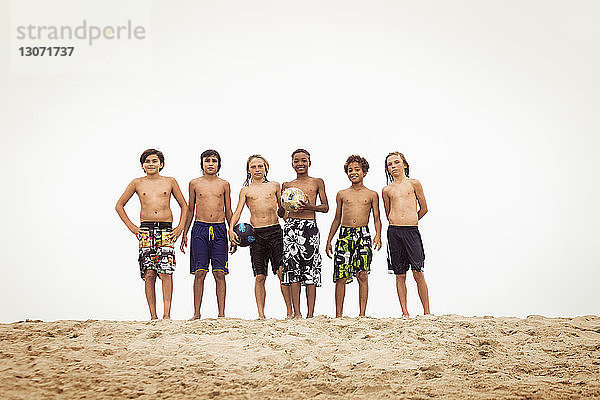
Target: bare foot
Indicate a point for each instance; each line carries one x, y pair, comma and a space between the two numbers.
195, 317
297, 316
221, 316
153, 317
166, 317
261, 317
405, 316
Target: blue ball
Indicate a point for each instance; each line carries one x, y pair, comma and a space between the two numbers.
245, 233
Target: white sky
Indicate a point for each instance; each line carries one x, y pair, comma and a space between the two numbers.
494, 104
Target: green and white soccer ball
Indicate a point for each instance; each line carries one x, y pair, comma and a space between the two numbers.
291, 198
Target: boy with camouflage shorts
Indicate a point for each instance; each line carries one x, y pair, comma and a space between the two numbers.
353, 252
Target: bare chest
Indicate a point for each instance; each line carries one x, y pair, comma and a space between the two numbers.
154, 192
261, 195
356, 202
403, 193
310, 189
209, 192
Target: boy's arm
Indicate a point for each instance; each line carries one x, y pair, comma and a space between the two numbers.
335, 224
233, 238
377, 221
184, 208
386, 201
120, 207
280, 209
228, 213
420, 198
324, 206
190, 215
227, 197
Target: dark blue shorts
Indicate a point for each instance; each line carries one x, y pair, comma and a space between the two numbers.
405, 249
208, 244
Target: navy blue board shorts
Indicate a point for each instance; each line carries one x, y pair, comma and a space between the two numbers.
209, 245
405, 249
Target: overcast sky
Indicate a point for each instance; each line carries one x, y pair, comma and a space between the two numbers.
494, 104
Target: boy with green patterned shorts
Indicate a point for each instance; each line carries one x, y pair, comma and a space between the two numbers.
353, 252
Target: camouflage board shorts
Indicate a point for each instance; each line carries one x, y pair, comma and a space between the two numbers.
353, 253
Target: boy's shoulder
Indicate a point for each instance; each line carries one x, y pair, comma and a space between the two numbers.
370, 192
202, 179
414, 182
161, 179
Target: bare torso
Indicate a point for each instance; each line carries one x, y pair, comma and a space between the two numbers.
356, 206
261, 199
155, 198
403, 203
210, 199
310, 188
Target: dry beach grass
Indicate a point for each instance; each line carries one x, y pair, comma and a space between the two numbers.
441, 357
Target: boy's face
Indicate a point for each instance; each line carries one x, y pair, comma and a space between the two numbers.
210, 165
355, 172
152, 164
257, 169
300, 163
395, 165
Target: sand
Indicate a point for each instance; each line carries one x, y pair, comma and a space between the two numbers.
425, 357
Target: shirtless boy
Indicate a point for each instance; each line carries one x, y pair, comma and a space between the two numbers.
263, 199
301, 257
405, 248
210, 200
155, 236
353, 252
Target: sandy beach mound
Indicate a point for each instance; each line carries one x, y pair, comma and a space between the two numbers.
445, 357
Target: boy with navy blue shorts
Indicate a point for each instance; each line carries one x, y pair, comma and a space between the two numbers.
209, 234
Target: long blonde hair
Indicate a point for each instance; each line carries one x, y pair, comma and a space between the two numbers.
248, 176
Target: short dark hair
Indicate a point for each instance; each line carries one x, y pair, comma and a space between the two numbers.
300, 151
150, 152
208, 153
358, 159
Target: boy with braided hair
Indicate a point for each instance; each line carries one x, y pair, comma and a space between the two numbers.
405, 247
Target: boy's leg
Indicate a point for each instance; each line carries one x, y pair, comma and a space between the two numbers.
218, 255
311, 263
149, 282
311, 295
363, 291
260, 294
295, 295
423, 291
340, 292
199, 262
198, 291
221, 290
362, 266
167, 291
401, 289
286, 293
398, 262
